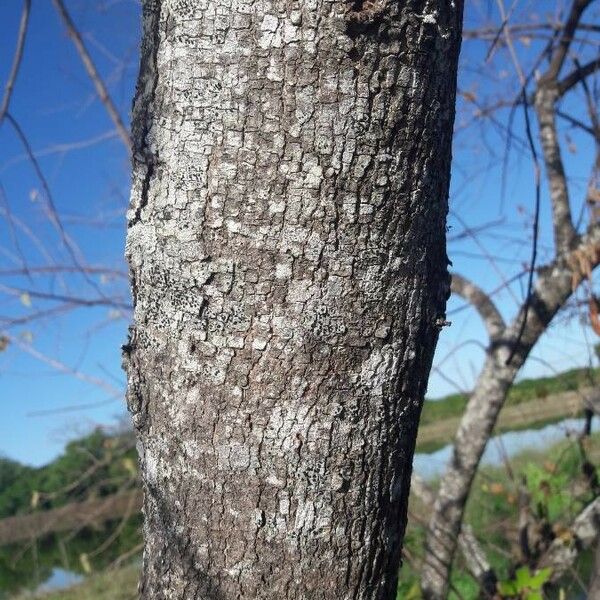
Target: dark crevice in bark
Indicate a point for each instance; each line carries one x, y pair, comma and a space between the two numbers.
148, 175
143, 157
368, 18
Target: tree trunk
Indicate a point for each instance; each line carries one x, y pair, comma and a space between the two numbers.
551, 291
289, 273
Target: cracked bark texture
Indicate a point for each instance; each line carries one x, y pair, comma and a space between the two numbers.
287, 251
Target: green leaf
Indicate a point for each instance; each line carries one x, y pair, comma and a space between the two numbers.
538, 580
508, 588
414, 593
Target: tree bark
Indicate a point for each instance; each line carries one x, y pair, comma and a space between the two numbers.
287, 251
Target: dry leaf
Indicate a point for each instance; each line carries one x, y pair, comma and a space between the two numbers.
25, 299
593, 194
582, 262
496, 488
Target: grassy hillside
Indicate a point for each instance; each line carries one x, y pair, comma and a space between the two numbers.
553, 477
523, 391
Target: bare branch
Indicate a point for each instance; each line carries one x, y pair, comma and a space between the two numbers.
474, 555
545, 98
591, 103
575, 76
564, 231
14, 71
522, 29
552, 289
67, 517
536, 220
52, 269
116, 302
559, 56
484, 305
12, 231
594, 587
53, 215
507, 37
90, 67
575, 122
61, 367
502, 28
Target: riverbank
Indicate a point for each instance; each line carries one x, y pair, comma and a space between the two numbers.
531, 403
116, 584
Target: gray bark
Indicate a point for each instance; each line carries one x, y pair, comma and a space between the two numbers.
475, 558
545, 102
491, 317
289, 272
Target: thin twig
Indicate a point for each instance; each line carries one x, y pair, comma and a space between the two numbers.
577, 75
14, 71
567, 36
71, 247
500, 31
90, 67
536, 220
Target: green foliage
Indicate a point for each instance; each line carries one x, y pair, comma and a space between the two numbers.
413, 592
525, 585
550, 490
14, 489
93, 466
438, 410
463, 585
85, 469
558, 491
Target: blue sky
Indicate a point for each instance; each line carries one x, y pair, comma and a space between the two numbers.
87, 170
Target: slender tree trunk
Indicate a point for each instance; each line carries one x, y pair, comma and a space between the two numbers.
551, 291
288, 265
